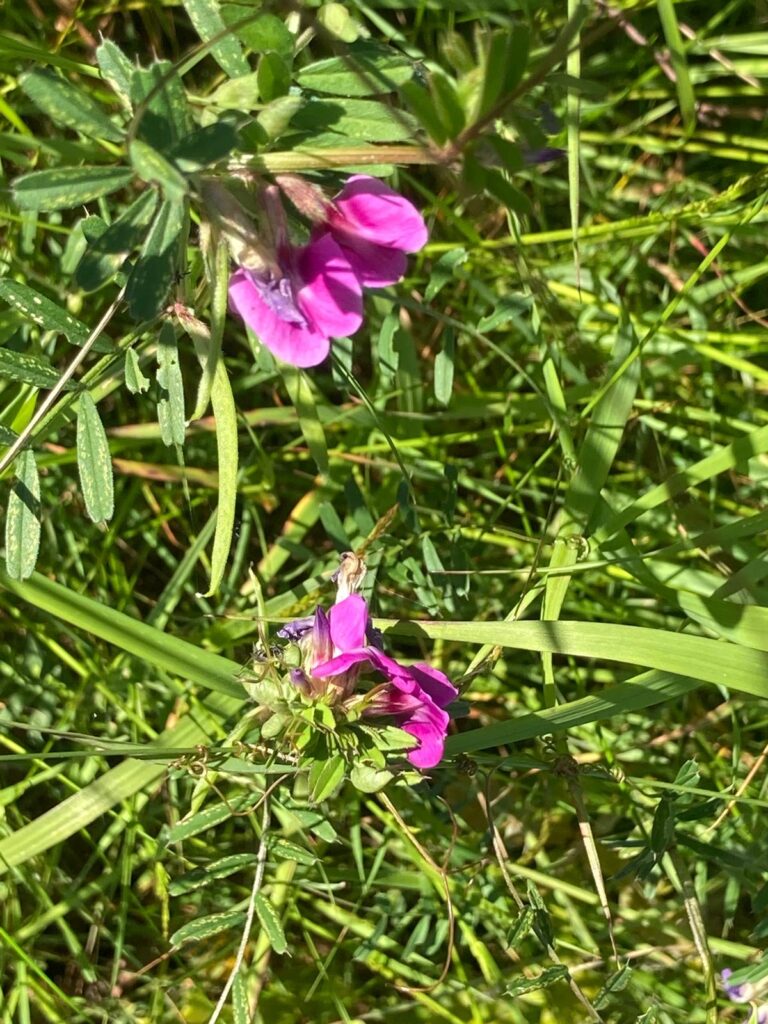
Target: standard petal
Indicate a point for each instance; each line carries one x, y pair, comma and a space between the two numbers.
368, 208
435, 683
375, 266
293, 343
349, 620
330, 296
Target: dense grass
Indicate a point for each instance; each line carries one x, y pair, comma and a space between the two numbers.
554, 427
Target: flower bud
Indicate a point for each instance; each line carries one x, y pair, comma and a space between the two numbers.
236, 225
308, 199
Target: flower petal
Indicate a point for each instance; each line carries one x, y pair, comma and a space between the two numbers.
349, 619
371, 210
374, 265
340, 664
330, 296
300, 345
435, 683
322, 647
428, 725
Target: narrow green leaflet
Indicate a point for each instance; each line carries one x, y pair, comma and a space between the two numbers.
300, 391
135, 380
270, 922
152, 276
110, 250
116, 68
170, 407
366, 69
27, 369
325, 777
152, 167
42, 311
67, 105
65, 187
444, 364
206, 927
205, 147
363, 119
682, 77
200, 877
22, 520
163, 117
225, 47
225, 414
94, 461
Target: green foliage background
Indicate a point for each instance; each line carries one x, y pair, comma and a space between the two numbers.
549, 442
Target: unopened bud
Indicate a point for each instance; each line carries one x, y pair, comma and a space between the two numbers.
245, 246
349, 576
308, 199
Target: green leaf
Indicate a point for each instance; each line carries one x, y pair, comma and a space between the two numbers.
152, 276
201, 877
206, 927
22, 520
205, 147
135, 380
28, 369
423, 106
116, 68
682, 77
559, 972
210, 817
273, 77
325, 777
238, 93
151, 166
444, 364
206, 17
94, 461
170, 407
520, 927
367, 120
108, 253
42, 311
368, 779
277, 115
264, 32
68, 106
270, 922
444, 271
301, 394
710, 661
65, 187
163, 117
367, 69
338, 22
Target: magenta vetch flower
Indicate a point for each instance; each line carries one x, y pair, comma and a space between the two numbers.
338, 646
314, 297
375, 227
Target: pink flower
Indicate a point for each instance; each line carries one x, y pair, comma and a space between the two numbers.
315, 296
341, 644
375, 228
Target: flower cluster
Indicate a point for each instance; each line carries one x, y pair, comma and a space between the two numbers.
746, 986
339, 646
306, 295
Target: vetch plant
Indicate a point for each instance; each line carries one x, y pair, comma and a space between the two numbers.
331, 708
